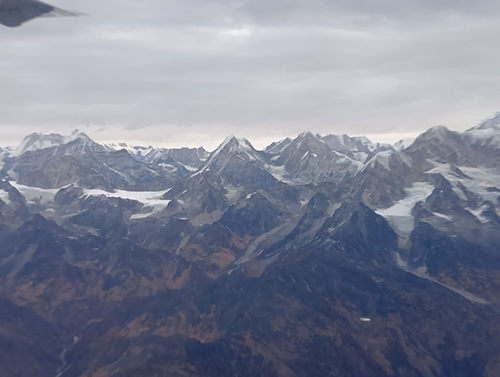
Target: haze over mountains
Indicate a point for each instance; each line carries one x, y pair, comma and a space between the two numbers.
318, 256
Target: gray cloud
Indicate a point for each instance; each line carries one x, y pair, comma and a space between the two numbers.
190, 72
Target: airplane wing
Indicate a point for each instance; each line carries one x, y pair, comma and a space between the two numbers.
16, 12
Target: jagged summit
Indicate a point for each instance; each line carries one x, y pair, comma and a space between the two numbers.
136, 150
308, 135
236, 146
278, 146
345, 142
230, 155
37, 141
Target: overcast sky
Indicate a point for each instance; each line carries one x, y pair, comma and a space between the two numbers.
190, 72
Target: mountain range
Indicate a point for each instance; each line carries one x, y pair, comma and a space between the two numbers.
317, 256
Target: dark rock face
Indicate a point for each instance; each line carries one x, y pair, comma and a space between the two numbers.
13, 210
356, 228
443, 199
320, 256
68, 194
433, 249
308, 159
443, 146
257, 216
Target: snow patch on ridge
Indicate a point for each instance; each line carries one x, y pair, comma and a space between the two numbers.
279, 173
480, 180
383, 158
4, 196
400, 213
446, 217
151, 199
479, 214
35, 194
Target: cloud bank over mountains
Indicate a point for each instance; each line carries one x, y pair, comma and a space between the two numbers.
190, 73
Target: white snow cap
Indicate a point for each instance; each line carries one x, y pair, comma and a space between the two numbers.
37, 141
493, 122
487, 132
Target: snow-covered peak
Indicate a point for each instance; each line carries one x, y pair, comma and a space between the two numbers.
278, 146
231, 146
5, 152
353, 144
234, 144
306, 135
308, 140
483, 134
137, 151
437, 135
439, 131
491, 123
486, 135
36, 141
383, 159
359, 148
304, 145
364, 140
339, 142
487, 128
403, 143
305, 138
245, 145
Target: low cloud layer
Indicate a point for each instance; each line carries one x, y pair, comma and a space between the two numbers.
191, 72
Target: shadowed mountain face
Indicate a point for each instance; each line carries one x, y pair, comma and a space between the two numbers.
319, 256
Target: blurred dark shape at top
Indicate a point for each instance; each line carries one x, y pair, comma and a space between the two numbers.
14, 13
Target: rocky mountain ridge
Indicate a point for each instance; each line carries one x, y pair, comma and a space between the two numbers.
321, 255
